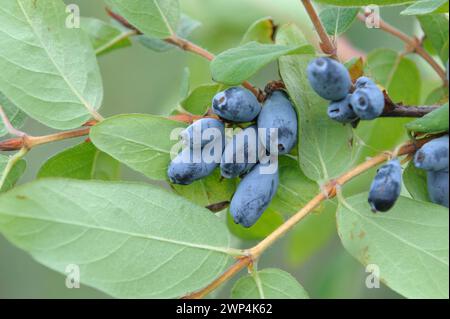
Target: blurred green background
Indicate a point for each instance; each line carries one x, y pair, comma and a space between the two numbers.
137, 80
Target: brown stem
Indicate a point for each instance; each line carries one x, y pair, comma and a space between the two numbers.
330, 191
229, 273
29, 142
326, 44
187, 46
407, 111
412, 43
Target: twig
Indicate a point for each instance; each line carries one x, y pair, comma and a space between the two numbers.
184, 45
326, 44
413, 43
330, 191
9, 127
29, 142
396, 110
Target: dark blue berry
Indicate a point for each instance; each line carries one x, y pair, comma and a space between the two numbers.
342, 111
241, 153
368, 101
386, 187
202, 132
278, 115
236, 104
329, 78
433, 156
253, 196
438, 187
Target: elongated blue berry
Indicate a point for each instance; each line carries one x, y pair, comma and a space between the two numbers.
236, 104
193, 164
329, 78
278, 120
386, 187
253, 196
438, 187
202, 132
433, 156
342, 111
367, 101
241, 153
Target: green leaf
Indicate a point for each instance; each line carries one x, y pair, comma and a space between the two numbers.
155, 18
437, 96
295, 190
270, 283
83, 161
434, 122
105, 37
415, 181
129, 240
199, 100
14, 175
435, 27
61, 85
325, 148
401, 78
140, 141
311, 234
426, 7
268, 222
185, 28
409, 244
207, 191
261, 31
236, 65
358, 3
15, 116
337, 20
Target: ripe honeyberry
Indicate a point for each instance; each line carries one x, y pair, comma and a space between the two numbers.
202, 132
241, 153
364, 82
342, 111
190, 165
253, 196
438, 187
278, 120
236, 105
367, 100
433, 156
386, 187
329, 78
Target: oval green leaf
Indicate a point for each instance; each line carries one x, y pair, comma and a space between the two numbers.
128, 240
337, 20
434, 122
47, 87
409, 244
142, 142
14, 174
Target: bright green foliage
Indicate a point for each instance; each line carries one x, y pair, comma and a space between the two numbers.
15, 116
337, 20
199, 100
416, 182
435, 28
236, 65
426, 7
261, 31
129, 240
413, 234
83, 161
14, 175
268, 222
434, 122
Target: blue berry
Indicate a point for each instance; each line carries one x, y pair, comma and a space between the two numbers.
193, 137
236, 104
433, 156
364, 82
253, 196
342, 111
278, 114
438, 187
329, 78
368, 101
190, 165
241, 153
386, 187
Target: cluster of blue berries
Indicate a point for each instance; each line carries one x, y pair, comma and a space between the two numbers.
331, 80
433, 157
249, 154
